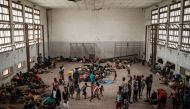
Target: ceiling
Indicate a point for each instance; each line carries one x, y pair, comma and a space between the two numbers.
95, 4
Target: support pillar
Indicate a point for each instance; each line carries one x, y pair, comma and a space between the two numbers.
27, 47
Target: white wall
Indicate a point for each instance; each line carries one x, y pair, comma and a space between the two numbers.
104, 26
12, 58
175, 56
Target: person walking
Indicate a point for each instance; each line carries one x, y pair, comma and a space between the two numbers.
96, 92
83, 89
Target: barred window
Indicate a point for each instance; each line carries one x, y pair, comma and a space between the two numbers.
185, 38
175, 12
37, 33
5, 30
185, 43
162, 35
163, 15
17, 12
18, 34
36, 16
154, 16
28, 15
31, 34
173, 36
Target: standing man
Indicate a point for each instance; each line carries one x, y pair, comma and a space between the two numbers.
129, 70
148, 86
61, 72
56, 93
143, 59
76, 75
92, 80
65, 96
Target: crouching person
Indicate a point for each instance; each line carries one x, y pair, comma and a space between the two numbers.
162, 98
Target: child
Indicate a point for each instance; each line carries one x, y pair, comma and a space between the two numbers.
71, 87
61, 81
119, 98
78, 93
125, 104
95, 92
101, 89
65, 96
84, 90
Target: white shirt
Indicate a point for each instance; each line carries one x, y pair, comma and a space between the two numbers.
54, 94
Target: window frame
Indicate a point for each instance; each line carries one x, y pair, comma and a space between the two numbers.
162, 13
18, 29
173, 35
22, 65
162, 40
38, 15
10, 72
175, 11
173, 25
5, 28
185, 46
28, 12
154, 14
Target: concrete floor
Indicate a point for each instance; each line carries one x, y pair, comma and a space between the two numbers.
108, 100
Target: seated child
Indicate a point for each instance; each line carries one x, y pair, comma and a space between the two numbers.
125, 104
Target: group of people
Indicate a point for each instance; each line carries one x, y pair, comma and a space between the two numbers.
130, 91
21, 85
72, 88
